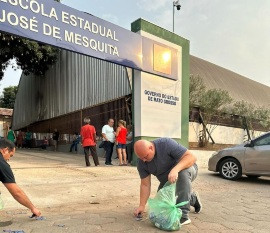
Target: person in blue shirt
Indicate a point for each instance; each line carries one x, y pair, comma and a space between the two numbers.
168, 161
75, 141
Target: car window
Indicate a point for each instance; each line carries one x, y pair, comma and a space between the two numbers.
263, 141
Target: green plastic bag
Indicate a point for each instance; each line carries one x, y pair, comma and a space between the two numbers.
163, 211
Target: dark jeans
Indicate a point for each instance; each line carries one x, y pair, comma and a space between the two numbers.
28, 143
129, 151
74, 144
108, 146
93, 151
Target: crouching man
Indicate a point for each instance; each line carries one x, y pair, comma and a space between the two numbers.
7, 150
168, 161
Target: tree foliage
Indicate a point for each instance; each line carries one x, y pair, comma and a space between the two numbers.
209, 101
215, 104
213, 101
263, 116
196, 91
244, 109
7, 100
211, 104
30, 56
253, 115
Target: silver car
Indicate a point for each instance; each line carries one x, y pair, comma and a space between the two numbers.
251, 159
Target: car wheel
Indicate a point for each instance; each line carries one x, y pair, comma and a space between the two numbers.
230, 169
252, 176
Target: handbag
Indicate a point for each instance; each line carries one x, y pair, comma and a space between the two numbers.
101, 145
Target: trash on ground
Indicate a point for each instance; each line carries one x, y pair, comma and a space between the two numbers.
16, 231
94, 202
40, 218
61, 225
139, 217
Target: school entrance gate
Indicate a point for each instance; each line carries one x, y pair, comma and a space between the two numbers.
159, 59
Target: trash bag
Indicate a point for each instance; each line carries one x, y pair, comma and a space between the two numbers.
164, 213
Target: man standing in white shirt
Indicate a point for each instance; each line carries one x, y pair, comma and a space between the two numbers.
108, 135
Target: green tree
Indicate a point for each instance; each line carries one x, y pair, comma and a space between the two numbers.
216, 104
251, 114
211, 103
263, 115
30, 56
7, 100
196, 91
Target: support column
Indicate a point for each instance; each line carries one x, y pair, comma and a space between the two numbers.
161, 105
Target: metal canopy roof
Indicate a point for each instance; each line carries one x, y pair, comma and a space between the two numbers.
238, 86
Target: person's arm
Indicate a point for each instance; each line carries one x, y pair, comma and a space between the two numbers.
104, 136
145, 190
103, 133
21, 197
129, 137
81, 133
95, 137
117, 131
186, 161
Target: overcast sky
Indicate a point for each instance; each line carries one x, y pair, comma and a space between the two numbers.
232, 34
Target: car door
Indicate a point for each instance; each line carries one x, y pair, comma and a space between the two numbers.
257, 158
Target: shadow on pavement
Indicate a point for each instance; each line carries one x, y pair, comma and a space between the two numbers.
261, 180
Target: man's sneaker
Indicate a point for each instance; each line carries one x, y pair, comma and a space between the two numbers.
198, 204
108, 164
185, 221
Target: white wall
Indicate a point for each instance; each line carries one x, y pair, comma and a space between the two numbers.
202, 157
221, 134
157, 119
1, 129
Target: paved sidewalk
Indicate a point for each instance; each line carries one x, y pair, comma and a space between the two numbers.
74, 198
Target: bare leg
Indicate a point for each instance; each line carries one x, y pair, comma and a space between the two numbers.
124, 155
119, 152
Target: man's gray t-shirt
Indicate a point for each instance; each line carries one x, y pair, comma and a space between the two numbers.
168, 153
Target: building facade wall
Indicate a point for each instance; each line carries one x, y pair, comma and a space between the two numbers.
75, 82
221, 134
5, 122
166, 37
